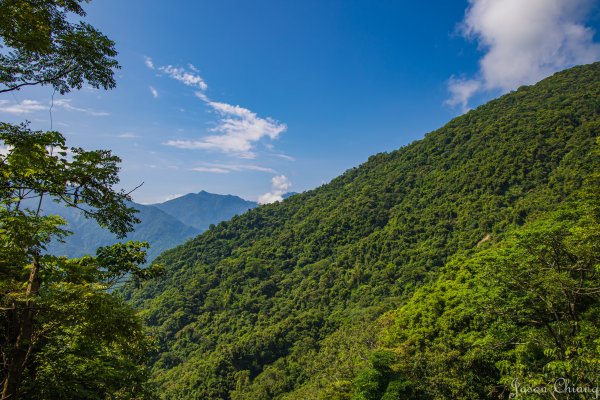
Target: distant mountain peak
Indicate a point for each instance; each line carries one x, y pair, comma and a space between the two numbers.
202, 209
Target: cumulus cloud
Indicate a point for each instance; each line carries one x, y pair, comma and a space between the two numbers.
461, 90
154, 92
184, 76
66, 104
149, 63
227, 168
280, 185
23, 107
524, 42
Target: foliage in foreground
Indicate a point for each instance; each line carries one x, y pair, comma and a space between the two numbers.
62, 336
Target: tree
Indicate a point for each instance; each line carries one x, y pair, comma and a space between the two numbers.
521, 313
42, 47
62, 334
44, 296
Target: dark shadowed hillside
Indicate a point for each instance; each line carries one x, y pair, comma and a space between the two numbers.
282, 302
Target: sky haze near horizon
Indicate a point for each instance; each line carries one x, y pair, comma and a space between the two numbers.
263, 97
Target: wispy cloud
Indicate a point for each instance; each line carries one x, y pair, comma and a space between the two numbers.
29, 106
173, 196
284, 156
461, 90
66, 104
227, 168
154, 92
128, 135
237, 129
184, 76
149, 63
212, 170
280, 184
23, 107
524, 42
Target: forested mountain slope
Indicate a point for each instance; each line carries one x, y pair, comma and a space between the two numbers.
282, 302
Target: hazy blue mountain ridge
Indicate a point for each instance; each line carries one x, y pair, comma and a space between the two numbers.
202, 209
163, 225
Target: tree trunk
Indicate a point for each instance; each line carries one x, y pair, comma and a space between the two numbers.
23, 343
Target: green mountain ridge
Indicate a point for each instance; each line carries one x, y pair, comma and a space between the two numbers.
284, 301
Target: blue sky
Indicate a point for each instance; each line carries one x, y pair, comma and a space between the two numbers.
256, 98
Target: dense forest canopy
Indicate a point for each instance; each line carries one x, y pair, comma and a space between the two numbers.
287, 300
462, 266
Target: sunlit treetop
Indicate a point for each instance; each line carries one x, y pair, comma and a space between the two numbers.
41, 45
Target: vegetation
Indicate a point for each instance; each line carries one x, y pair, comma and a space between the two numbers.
519, 315
45, 48
62, 336
289, 300
464, 265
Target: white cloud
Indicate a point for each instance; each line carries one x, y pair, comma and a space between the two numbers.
524, 42
23, 107
29, 106
154, 92
4, 150
227, 168
213, 170
66, 104
461, 90
285, 157
240, 128
128, 135
173, 196
186, 77
148, 62
237, 129
280, 185
57, 151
